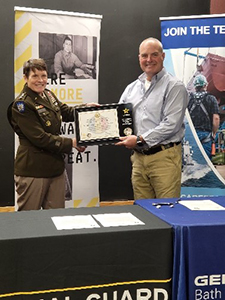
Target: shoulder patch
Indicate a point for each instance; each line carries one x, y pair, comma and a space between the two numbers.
20, 106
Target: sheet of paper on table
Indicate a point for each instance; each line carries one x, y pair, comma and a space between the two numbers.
118, 219
89, 221
201, 204
74, 222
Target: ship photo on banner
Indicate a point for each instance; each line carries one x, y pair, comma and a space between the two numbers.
195, 53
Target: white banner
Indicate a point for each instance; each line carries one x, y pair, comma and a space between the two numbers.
43, 34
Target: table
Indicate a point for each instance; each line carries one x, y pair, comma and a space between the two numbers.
126, 262
199, 248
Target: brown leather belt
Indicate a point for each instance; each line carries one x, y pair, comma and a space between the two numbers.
156, 149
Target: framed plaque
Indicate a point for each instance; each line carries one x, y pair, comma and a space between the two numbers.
103, 125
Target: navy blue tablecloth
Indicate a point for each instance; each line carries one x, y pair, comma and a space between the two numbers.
199, 248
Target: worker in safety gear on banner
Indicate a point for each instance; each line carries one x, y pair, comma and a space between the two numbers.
204, 111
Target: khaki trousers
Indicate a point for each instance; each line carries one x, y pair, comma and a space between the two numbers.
36, 193
157, 175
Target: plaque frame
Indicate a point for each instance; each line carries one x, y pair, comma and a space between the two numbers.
115, 120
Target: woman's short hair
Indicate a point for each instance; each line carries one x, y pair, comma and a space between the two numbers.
32, 64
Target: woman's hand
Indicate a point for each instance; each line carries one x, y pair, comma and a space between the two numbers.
93, 104
79, 148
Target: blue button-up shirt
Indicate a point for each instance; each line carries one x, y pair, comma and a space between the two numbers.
158, 111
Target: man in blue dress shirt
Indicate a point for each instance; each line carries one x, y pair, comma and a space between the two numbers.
159, 102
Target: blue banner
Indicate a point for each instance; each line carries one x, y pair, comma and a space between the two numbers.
202, 32
195, 46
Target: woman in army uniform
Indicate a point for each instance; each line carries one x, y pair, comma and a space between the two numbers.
36, 116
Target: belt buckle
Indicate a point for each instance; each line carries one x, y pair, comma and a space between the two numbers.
167, 146
143, 151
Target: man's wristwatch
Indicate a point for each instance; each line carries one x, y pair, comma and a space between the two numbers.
139, 141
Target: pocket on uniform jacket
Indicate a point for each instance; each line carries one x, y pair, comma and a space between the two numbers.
45, 116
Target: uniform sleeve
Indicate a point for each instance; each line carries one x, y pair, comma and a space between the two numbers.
67, 111
27, 125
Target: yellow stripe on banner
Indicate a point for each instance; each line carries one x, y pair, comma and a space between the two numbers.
76, 203
85, 287
22, 58
19, 86
93, 202
23, 33
18, 15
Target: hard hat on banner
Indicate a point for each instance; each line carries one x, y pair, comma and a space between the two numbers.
200, 80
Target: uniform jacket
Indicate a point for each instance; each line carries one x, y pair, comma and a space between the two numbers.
37, 122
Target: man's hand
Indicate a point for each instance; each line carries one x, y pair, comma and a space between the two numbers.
87, 69
129, 141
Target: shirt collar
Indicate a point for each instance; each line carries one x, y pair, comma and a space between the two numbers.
155, 78
32, 93
66, 54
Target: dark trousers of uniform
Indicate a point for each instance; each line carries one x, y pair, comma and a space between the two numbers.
36, 193
157, 175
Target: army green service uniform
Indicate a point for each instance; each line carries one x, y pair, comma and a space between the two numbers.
37, 122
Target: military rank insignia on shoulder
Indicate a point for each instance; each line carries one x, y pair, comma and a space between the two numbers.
20, 106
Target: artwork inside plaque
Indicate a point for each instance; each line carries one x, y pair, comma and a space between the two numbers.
104, 124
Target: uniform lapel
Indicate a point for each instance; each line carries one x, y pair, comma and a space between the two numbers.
38, 99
